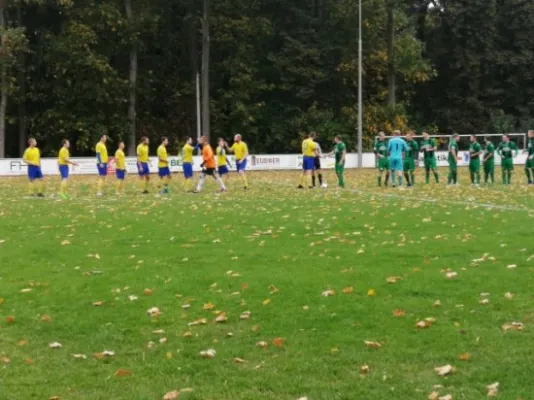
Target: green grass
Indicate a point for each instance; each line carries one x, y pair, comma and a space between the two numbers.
183, 247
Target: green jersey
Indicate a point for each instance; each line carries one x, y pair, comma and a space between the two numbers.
531, 147
429, 144
412, 149
489, 151
453, 145
381, 147
506, 150
474, 148
338, 151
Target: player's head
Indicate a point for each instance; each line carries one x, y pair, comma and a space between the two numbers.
505, 138
425, 135
220, 141
312, 135
396, 132
65, 143
121, 145
338, 139
382, 135
456, 136
531, 134
164, 141
32, 142
189, 141
473, 138
487, 139
144, 140
409, 135
104, 138
203, 140
237, 138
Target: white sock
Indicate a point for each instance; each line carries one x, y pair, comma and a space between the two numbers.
221, 183
200, 183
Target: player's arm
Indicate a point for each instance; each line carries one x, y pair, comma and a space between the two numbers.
99, 159
230, 149
488, 156
343, 155
68, 161
499, 150
377, 154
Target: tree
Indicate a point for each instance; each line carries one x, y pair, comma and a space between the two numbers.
132, 85
206, 129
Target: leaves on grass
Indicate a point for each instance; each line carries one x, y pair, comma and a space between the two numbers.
46, 318
279, 342
433, 395
512, 266
123, 372
98, 303
208, 306
372, 345
55, 345
446, 397
399, 313
493, 389
10, 319
104, 354
245, 315
238, 360
328, 293
513, 326
266, 301
451, 275
26, 290
348, 289
200, 321
154, 312
465, 356
445, 370
262, 345
508, 296
364, 369
171, 395
437, 303
221, 318
393, 279
132, 297
79, 356
210, 353
147, 292
371, 292
273, 289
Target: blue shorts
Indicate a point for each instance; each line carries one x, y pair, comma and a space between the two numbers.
396, 164
308, 163
241, 165
142, 169
102, 171
188, 170
64, 171
121, 174
223, 170
34, 172
164, 171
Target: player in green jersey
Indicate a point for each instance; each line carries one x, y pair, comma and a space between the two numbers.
529, 164
381, 152
453, 160
409, 159
340, 153
475, 150
428, 146
488, 161
506, 151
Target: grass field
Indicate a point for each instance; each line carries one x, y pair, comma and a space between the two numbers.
272, 251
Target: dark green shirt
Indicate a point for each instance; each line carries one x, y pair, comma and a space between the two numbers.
338, 151
453, 145
531, 147
506, 149
489, 149
473, 149
381, 147
428, 144
413, 149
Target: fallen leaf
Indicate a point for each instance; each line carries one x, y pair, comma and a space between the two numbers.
208, 306
238, 360
279, 342
509, 296
27, 290
221, 318
328, 293
437, 303
399, 313
123, 372
484, 301
28, 361
266, 301
65, 243
364, 369
200, 321
2, 300
79, 356
186, 306
451, 275
132, 297
46, 318
255, 328
187, 334
446, 397
445, 370
423, 324
10, 319
348, 290
371, 292
104, 354
5, 359
98, 303
147, 292
163, 340
511, 266
514, 326
465, 356
168, 355
433, 396
372, 345
273, 289
493, 389
302, 398
393, 279
54, 398
154, 312
55, 345
22, 342
171, 395
245, 315
158, 332
210, 353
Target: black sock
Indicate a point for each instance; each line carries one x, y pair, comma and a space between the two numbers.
313, 180
320, 179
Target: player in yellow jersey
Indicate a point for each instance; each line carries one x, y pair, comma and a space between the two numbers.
240, 150
187, 164
309, 152
101, 163
222, 160
142, 164
32, 157
163, 165
64, 162
120, 168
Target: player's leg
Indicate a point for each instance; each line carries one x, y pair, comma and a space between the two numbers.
407, 172
219, 181
412, 174
427, 172
486, 173
201, 181
400, 168
318, 170
510, 172
340, 170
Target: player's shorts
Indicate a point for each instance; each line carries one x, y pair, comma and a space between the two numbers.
188, 170
340, 169
317, 163
64, 171
120, 174
489, 166
453, 164
430, 163
409, 164
240, 165
223, 170
143, 169
102, 171
209, 171
164, 172
396, 164
383, 164
474, 166
507, 164
34, 172
530, 163
308, 163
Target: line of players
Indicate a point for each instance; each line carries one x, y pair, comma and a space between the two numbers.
219, 169
398, 156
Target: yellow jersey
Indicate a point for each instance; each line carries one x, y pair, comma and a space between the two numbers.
308, 148
142, 153
63, 157
120, 162
240, 150
102, 151
32, 156
187, 153
163, 160
221, 156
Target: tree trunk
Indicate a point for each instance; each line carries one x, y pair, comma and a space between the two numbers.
390, 28
21, 81
206, 70
3, 89
132, 114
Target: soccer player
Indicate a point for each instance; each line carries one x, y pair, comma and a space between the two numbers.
488, 161
32, 157
506, 151
428, 146
397, 148
142, 164
529, 164
317, 163
187, 164
208, 166
64, 162
120, 168
475, 150
409, 159
381, 152
101, 163
240, 150
222, 160
340, 152
309, 152
453, 160
163, 165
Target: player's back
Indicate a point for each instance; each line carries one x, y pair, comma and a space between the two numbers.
396, 147
207, 155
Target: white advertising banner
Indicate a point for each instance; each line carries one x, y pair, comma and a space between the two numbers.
87, 166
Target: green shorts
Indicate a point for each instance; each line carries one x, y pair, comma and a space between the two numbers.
383, 164
489, 167
474, 166
529, 164
507, 164
453, 165
340, 169
430, 163
409, 164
